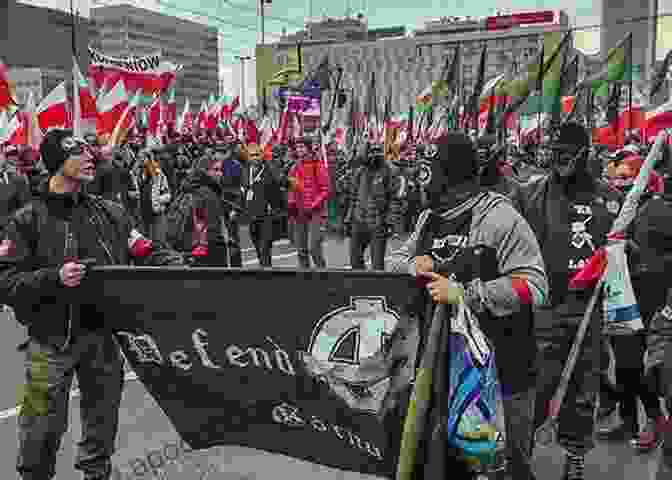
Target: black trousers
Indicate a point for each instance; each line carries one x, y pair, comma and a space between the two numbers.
261, 231
361, 238
629, 353
234, 245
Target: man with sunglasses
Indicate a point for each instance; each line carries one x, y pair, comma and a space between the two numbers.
571, 213
40, 278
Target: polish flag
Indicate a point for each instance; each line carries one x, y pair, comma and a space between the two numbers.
111, 107
85, 112
126, 122
15, 132
7, 99
52, 112
33, 132
186, 120
154, 117
657, 120
202, 118
170, 113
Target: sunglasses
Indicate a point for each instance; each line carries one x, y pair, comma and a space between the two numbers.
75, 146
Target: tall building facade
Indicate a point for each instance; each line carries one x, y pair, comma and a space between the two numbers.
124, 30
406, 65
35, 37
620, 17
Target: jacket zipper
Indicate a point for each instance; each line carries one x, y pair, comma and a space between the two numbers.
68, 243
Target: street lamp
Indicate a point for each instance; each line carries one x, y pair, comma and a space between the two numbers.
243, 59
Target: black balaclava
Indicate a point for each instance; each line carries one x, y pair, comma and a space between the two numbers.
375, 155
570, 155
454, 163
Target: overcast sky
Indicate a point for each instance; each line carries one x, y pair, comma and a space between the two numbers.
291, 14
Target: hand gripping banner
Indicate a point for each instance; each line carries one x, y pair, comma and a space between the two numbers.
281, 361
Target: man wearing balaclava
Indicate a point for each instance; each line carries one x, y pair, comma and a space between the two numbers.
571, 213
40, 278
472, 244
374, 206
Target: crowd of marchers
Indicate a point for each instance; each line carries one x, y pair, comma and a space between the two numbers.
503, 230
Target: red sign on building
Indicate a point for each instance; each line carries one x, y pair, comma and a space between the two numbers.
521, 19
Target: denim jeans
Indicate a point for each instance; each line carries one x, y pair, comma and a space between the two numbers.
362, 237
519, 419
95, 358
308, 238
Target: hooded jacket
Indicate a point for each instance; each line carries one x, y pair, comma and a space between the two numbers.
200, 193
495, 226
47, 231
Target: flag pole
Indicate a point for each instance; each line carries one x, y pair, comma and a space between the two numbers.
630, 87
73, 28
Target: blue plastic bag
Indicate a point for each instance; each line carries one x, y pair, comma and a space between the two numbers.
474, 392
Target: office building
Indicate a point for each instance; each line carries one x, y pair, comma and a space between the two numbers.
125, 30
407, 64
619, 17
33, 37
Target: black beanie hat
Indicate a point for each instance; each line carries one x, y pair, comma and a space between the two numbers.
572, 133
454, 160
52, 152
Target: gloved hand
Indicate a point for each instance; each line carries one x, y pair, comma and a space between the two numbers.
199, 251
444, 290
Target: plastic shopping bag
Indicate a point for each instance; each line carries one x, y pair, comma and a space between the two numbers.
621, 311
474, 392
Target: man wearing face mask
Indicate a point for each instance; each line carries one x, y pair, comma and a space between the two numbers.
571, 213
40, 278
374, 207
476, 237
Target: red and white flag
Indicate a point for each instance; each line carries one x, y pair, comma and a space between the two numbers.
52, 112
85, 113
186, 120
202, 118
15, 132
111, 107
154, 120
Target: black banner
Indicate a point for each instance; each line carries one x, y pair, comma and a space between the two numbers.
232, 356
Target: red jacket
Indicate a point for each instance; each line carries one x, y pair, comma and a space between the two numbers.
312, 193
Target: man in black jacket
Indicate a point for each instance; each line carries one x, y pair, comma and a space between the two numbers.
374, 206
41, 279
571, 213
262, 185
198, 221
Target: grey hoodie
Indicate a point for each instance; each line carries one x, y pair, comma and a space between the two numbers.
495, 223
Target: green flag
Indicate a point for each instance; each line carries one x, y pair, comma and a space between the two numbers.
617, 68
